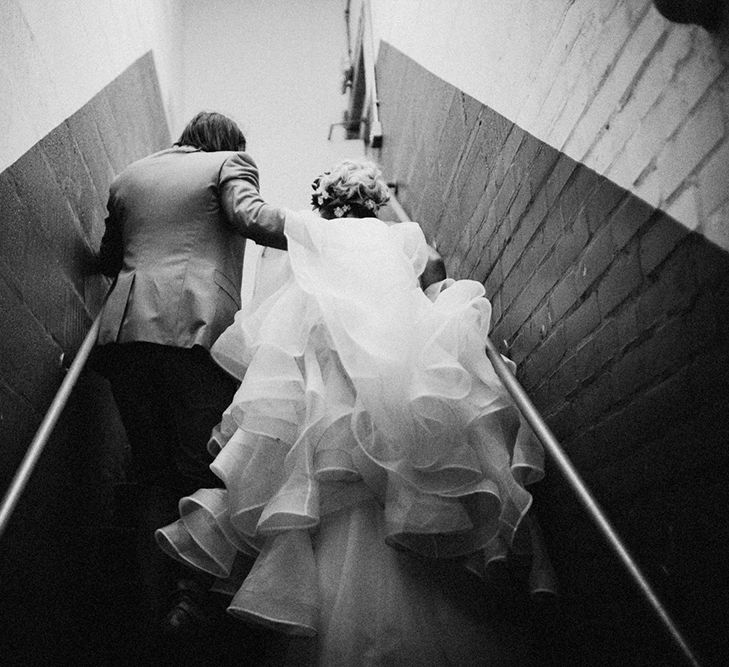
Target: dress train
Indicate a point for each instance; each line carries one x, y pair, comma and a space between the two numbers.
371, 457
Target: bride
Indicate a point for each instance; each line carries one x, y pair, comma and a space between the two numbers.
373, 463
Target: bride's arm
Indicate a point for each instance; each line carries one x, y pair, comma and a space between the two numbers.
434, 271
434, 278
245, 208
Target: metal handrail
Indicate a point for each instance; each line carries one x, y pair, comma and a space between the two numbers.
368, 52
551, 444
24, 471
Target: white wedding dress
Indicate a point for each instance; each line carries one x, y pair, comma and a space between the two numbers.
369, 444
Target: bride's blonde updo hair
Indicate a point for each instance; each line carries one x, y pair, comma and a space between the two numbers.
353, 188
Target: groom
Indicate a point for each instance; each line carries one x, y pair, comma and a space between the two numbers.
173, 244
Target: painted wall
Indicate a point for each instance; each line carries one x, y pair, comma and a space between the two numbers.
610, 83
55, 56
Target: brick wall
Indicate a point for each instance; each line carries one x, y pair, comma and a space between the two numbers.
53, 203
618, 317
610, 83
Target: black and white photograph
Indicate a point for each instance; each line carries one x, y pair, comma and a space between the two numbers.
364, 333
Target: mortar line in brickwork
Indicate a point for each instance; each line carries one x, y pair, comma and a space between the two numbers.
622, 101
640, 390
462, 155
517, 224
558, 325
642, 336
46, 235
84, 160
66, 200
644, 66
601, 85
19, 396
485, 243
7, 276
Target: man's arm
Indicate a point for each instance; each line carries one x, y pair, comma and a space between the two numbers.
111, 252
244, 207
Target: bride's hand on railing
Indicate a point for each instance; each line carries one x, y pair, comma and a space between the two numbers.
434, 271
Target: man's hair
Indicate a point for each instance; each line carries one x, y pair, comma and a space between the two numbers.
210, 131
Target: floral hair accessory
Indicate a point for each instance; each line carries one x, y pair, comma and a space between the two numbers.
320, 195
352, 187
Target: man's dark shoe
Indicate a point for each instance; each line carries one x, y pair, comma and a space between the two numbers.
192, 610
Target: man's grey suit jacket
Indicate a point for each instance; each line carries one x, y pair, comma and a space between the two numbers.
174, 242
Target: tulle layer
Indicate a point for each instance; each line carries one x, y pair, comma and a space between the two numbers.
356, 398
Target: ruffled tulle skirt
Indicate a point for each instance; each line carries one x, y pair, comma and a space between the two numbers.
369, 443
